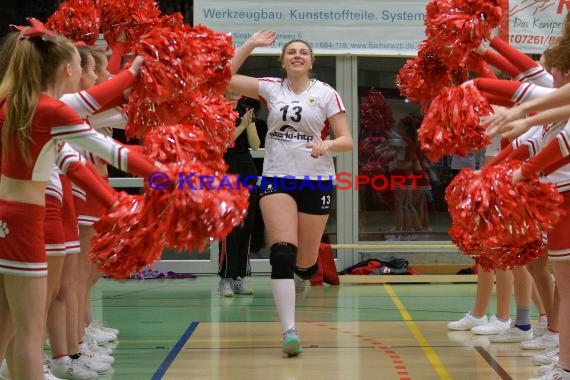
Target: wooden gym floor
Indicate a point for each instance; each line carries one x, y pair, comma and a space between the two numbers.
182, 329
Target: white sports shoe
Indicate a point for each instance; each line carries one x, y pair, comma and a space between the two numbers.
240, 287
99, 336
66, 368
98, 357
546, 341
225, 287
47, 373
93, 363
544, 369
555, 373
89, 345
512, 335
102, 326
467, 322
493, 327
549, 357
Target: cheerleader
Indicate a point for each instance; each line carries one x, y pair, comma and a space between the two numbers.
42, 68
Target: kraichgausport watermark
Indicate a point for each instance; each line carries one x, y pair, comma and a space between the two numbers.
340, 181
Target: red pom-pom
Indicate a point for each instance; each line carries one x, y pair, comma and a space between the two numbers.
78, 20
183, 80
167, 144
455, 27
491, 258
201, 206
498, 223
133, 17
125, 240
476, 63
452, 124
375, 112
421, 79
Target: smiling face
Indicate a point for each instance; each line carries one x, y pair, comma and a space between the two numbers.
297, 58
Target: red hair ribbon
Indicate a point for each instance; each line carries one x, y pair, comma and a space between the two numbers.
37, 29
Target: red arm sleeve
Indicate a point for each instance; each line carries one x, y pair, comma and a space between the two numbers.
484, 71
520, 60
551, 156
111, 92
552, 168
497, 100
522, 153
90, 181
500, 63
140, 165
98, 98
503, 154
135, 148
118, 52
506, 89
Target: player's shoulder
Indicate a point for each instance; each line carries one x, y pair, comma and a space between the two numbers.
56, 111
271, 81
324, 87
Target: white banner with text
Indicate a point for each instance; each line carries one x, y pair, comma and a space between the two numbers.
534, 25
365, 27
333, 27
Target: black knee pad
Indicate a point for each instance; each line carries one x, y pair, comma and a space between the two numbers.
282, 259
307, 273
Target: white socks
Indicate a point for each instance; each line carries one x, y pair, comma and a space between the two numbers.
284, 296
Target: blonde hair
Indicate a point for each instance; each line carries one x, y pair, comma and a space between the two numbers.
33, 65
6, 47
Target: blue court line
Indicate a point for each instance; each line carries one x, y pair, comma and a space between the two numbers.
161, 371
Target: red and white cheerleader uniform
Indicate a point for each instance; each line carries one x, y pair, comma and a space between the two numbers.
22, 238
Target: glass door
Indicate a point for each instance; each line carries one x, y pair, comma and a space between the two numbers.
388, 149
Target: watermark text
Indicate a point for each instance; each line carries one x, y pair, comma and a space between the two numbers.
340, 181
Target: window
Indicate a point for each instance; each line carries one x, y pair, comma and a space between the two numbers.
393, 205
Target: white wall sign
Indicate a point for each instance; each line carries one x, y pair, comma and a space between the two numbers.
365, 27
533, 25
360, 27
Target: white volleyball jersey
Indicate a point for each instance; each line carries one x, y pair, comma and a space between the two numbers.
295, 120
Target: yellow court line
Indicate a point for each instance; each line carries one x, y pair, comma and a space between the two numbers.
430, 353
